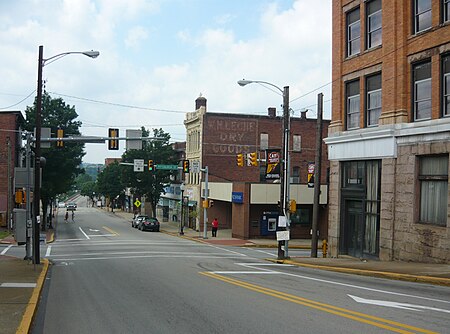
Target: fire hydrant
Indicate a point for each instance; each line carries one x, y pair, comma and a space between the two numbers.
324, 248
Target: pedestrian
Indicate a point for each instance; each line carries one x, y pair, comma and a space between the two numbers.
215, 226
67, 216
73, 215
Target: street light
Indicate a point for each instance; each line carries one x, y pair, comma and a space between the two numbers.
182, 207
37, 148
285, 159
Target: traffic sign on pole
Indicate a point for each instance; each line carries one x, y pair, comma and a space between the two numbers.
138, 165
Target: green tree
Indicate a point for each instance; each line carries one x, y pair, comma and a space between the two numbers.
88, 189
62, 163
109, 182
150, 184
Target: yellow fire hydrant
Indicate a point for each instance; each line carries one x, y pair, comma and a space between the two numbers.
324, 248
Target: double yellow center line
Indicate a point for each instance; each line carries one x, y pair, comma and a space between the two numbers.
342, 312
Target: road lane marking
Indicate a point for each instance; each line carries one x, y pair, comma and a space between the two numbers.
102, 235
111, 230
5, 250
404, 306
226, 250
357, 316
261, 251
49, 249
353, 286
145, 252
87, 237
155, 256
18, 285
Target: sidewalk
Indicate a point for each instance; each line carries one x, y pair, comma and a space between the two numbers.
21, 282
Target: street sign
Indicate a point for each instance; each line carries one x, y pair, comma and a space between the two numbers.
137, 203
166, 167
138, 165
195, 166
282, 235
134, 141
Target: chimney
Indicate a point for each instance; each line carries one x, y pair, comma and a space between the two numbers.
272, 112
303, 114
200, 102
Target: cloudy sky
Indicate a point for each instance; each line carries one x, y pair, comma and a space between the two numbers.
158, 56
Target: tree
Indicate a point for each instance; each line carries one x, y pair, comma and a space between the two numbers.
150, 184
109, 182
88, 189
62, 163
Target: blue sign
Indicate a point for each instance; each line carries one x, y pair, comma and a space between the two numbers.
237, 197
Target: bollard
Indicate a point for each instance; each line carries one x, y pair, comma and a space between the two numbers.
324, 248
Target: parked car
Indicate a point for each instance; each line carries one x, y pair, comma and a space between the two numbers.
137, 219
71, 206
61, 205
149, 224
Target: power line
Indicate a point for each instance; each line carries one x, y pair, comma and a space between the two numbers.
119, 104
13, 105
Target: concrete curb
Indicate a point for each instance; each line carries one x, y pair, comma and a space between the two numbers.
30, 311
372, 273
252, 245
51, 239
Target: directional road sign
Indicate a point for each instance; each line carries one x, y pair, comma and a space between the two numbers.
166, 167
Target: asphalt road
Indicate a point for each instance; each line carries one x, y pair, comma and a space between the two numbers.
108, 277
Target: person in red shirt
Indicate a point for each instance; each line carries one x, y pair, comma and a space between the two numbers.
215, 227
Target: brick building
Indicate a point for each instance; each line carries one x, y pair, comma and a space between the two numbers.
243, 200
389, 139
10, 143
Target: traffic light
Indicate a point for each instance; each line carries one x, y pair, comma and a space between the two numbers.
211, 203
151, 167
59, 134
240, 160
20, 197
113, 144
185, 166
253, 159
292, 206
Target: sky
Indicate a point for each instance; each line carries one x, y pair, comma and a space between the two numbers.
158, 56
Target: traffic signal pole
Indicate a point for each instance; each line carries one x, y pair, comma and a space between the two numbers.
205, 211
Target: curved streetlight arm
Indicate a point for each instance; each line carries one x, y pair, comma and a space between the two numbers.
91, 54
244, 82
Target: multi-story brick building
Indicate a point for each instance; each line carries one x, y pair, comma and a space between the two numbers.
214, 140
10, 143
389, 139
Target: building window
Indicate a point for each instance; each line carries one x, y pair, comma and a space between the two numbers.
422, 15
353, 32
297, 143
263, 141
446, 85
295, 175
373, 21
422, 90
433, 178
373, 99
352, 105
353, 174
445, 11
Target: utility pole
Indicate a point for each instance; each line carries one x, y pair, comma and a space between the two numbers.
28, 191
9, 178
37, 162
284, 181
317, 174
205, 210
